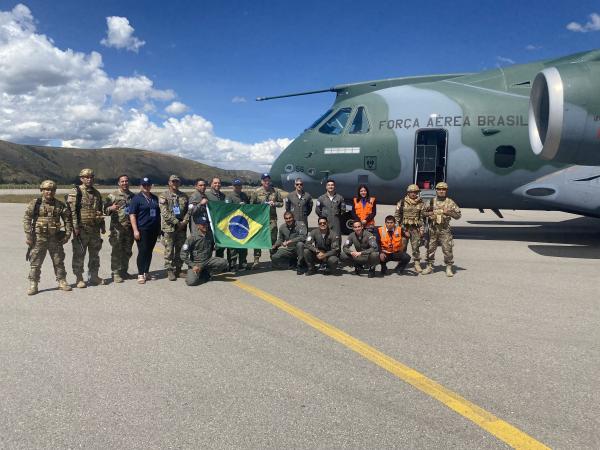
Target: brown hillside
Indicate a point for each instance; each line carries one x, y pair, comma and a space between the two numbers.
24, 164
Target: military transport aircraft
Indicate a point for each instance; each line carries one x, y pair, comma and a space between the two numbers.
521, 137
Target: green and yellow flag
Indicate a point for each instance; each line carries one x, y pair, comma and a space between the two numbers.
240, 226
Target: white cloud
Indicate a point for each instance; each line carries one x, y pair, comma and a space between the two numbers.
48, 94
238, 99
532, 47
504, 60
176, 108
592, 25
120, 34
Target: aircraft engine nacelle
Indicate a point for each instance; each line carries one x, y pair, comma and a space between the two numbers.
564, 114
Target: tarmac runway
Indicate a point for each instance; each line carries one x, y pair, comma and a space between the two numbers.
504, 354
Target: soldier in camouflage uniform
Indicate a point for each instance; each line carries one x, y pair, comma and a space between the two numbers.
88, 222
269, 195
173, 205
233, 254
121, 233
409, 214
43, 233
439, 213
197, 254
289, 247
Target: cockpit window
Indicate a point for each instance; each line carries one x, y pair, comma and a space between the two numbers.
360, 124
318, 121
337, 122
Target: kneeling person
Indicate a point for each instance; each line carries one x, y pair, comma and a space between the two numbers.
290, 244
197, 254
391, 245
366, 251
323, 247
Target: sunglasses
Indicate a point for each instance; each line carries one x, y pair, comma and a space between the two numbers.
299, 184
322, 223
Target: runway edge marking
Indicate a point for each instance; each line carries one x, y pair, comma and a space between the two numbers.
492, 424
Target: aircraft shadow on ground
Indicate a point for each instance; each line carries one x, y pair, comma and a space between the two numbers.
573, 238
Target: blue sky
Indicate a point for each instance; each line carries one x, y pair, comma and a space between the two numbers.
214, 58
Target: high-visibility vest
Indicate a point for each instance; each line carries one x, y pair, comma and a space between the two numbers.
393, 243
363, 211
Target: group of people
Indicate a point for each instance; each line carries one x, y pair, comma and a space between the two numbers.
49, 224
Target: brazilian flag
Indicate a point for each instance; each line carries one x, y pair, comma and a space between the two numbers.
240, 226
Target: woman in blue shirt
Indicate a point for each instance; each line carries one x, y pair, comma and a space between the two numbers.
144, 215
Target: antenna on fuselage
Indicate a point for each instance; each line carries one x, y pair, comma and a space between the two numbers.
260, 99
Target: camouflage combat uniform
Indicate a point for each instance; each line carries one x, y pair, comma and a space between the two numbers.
173, 211
409, 214
439, 228
89, 220
197, 251
121, 234
260, 195
48, 237
293, 255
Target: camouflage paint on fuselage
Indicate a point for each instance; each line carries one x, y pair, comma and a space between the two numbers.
480, 113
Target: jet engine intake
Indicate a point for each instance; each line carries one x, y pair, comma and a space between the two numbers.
564, 114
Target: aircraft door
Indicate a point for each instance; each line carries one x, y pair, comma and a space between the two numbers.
430, 157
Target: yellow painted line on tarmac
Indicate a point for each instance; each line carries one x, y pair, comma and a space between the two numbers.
492, 424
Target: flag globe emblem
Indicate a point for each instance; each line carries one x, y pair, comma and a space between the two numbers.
239, 227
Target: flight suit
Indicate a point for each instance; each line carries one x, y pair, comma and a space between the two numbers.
237, 256
409, 214
216, 196
366, 244
300, 206
121, 234
48, 236
195, 210
439, 229
89, 220
260, 195
173, 210
197, 251
293, 254
316, 242
333, 209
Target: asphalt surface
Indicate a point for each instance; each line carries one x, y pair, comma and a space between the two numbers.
163, 365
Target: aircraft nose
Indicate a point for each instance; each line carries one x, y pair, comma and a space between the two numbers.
282, 167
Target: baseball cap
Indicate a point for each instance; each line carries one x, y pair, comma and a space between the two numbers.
202, 220
237, 182
265, 175
146, 180
174, 178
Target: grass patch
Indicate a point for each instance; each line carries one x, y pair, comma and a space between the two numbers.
17, 198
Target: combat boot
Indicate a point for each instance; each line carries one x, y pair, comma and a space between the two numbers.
64, 286
95, 280
33, 288
171, 275
117, 278
418, 267
255, 263
371, 273
79, 282
449, 271
427, 269
383, 269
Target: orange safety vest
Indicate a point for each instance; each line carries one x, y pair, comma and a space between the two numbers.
393, 243
363, 211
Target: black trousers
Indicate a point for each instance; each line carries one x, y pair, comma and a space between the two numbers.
145, 248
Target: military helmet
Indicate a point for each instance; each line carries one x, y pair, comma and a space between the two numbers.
48, 184
86, 173
441, 185
412, 188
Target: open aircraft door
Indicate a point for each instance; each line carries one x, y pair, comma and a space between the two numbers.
431, 151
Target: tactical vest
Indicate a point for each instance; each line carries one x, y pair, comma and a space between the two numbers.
412, 213
91, 207
48, 221
364, 211
390, 244
440, 220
